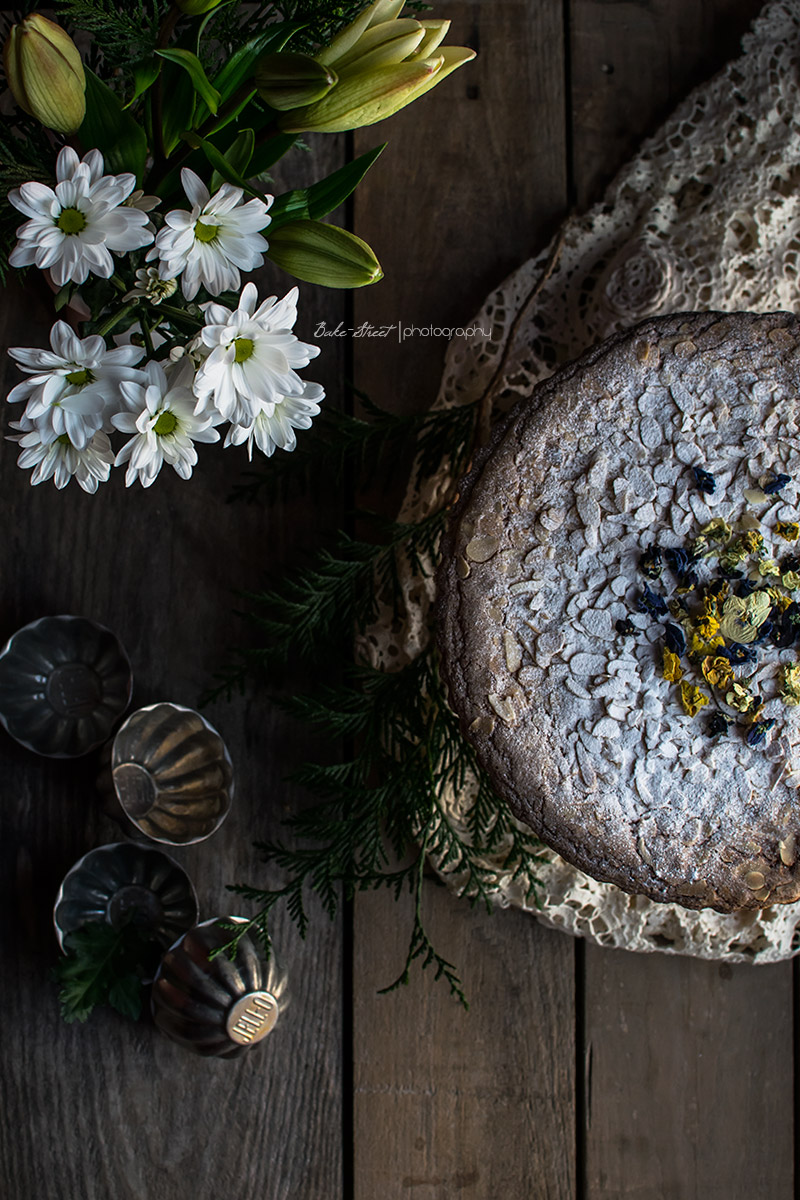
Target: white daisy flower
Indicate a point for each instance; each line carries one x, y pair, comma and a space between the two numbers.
253, 359
150, 286
72, 387
162, 419
72, 230
274, 427
60, 460
211, 244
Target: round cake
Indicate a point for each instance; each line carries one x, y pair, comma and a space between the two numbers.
619, 610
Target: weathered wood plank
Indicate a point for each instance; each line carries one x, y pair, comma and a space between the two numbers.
690, 1088
446, 1103
473, 179
111, 1109
631, 61
679, 1049
451, 1103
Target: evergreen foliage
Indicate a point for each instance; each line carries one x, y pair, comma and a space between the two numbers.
382, 810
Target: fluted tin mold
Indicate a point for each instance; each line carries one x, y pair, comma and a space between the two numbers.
127, 881
172, 774
217, 1006
64, 683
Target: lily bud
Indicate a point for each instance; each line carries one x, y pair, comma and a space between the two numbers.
435, 33
324, 254
289, 81
196, 8
364, 99
45, 73
383, 64
382, 45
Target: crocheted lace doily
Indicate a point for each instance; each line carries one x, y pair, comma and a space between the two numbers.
706, 216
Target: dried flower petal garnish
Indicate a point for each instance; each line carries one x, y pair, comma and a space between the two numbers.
777, 484
731, 603
692, 699
790, 684
717, 725
704, 480
717, 671
675, 638
671, 668
759, 731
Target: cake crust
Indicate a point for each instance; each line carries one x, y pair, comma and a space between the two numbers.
574, 724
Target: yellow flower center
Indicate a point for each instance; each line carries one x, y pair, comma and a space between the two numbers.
167, 423
80, 378
205, 233
71, 220
242, 349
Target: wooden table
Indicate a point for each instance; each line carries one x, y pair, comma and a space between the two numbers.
579, 1072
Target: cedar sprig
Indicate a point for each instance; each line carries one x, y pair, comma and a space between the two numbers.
124, 33
338, 443
320, 603
104, 964
386, 801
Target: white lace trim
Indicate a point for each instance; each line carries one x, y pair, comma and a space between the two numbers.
705, 217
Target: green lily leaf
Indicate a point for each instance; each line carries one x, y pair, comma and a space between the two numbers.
240, 67
109, 129
237, 156
310, 204
179, 104
218, 162
194, 68
145, 73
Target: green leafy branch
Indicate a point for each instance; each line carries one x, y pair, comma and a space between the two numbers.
383, 810
104, 964
388, 801
324, 600
338, 443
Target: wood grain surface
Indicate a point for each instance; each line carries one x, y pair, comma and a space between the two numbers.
675, 1108
112, 1109
579, 1073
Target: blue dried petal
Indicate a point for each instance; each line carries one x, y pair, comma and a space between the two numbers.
746, 587
650, 563
790, 562
730, 573
785, 633
716, 725
649, 602
763, 633
673, 636
736, 652
625, 627
775, 485
760, 731
678, 559
704, 480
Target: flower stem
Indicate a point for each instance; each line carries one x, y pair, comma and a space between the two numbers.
148, 341
178, 314
114, 320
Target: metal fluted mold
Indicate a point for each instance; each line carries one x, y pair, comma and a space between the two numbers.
172, 774
64, 683
217, 1006
127, 881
